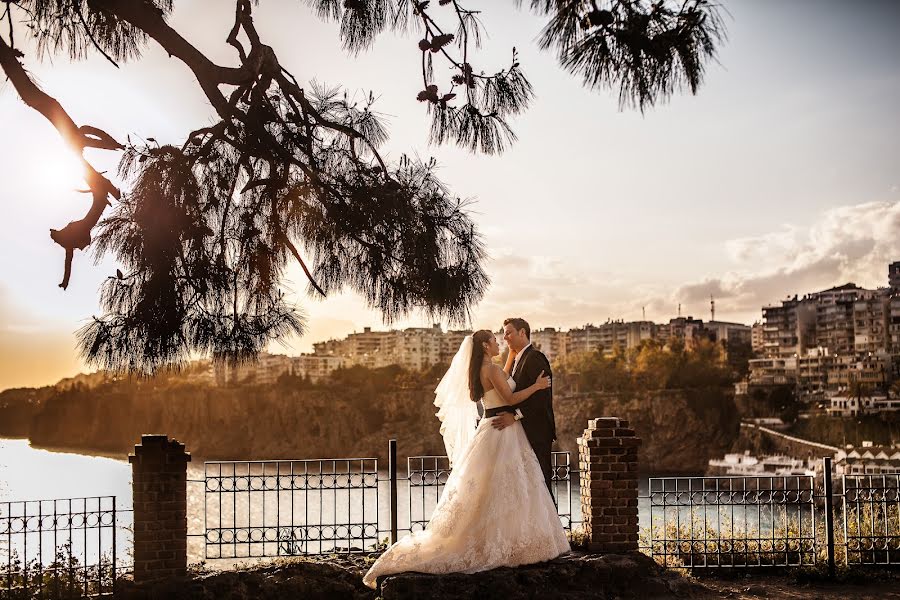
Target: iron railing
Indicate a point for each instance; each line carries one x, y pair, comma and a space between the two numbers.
797, 520
255, 509
700, 522
289, 507
871, 511
425, 478
61, 548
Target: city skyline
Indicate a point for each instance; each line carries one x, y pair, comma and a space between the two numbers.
779, 176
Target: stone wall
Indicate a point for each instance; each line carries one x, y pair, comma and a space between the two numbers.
761, 440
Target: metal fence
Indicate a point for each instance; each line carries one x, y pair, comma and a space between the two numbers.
256, 509
702, 522
290, 507
261, 509
60, 548
871, 511
769, 521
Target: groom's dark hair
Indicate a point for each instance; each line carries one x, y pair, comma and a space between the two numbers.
519, 323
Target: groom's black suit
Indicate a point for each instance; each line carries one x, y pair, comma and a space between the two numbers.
537, 411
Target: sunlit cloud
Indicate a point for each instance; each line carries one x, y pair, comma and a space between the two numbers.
846, 244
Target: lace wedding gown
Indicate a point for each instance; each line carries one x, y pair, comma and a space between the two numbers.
495, 511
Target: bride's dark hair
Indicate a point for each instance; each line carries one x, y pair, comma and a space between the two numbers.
476, 390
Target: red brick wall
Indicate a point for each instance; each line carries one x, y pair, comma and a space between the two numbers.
607, 455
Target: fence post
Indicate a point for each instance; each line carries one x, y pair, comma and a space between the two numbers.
114, 546
392, 470
159, 476
607, 457
829, 513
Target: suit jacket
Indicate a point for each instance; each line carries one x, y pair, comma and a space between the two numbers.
539, 422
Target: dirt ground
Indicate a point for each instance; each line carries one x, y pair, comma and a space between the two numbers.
879, 584
875, 585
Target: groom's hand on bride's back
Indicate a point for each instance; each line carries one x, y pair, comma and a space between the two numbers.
503, 420
543, 381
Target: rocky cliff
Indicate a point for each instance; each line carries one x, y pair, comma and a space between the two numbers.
241, 422
681, 429
17, 409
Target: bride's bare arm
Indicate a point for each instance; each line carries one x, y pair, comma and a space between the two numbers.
498, 379
510, 359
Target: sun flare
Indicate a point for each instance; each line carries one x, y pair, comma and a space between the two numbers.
61, 170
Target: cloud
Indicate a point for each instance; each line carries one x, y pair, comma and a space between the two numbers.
853, 243
846, 244
509, 260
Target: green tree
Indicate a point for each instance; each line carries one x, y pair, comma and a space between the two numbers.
205, 228
649, 366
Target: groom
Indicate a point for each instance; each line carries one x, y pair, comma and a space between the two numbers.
536, 413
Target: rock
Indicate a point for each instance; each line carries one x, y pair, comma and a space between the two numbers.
572, 576
285, 581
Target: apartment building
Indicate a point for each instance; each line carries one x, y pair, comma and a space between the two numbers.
788, 328
685, 329
813, 369
723, 331
894, 324
773, 371
756, 337
834, 317
551, 341
851, 406
264, 371
316, 368
590, 338
894, 276
415, 348
871, 316
450, 343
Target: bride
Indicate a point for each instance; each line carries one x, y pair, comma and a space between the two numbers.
495, 510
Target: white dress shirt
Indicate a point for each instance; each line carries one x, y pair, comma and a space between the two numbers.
518, 356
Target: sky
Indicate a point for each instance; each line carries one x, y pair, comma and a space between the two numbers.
781, 177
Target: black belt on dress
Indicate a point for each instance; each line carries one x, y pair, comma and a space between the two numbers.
493, 412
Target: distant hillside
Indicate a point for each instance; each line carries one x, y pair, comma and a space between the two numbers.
18, 406
681, 429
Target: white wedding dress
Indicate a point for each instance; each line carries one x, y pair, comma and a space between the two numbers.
495, 511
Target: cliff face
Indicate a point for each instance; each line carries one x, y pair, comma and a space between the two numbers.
242, 423
17, 407
681, 430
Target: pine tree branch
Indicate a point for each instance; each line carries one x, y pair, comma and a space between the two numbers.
76, 234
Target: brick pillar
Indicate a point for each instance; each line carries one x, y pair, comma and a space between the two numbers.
159, 475
607, 458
